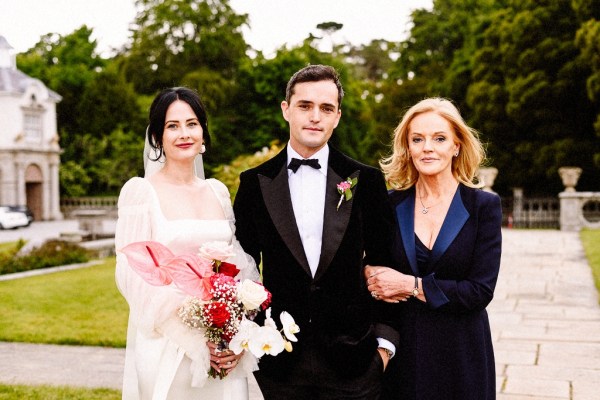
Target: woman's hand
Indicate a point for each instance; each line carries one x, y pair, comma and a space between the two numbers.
223, 359
388, 284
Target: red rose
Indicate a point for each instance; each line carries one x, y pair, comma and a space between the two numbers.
228, 269
218, 313
267, 302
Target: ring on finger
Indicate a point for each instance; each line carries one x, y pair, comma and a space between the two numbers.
374, 295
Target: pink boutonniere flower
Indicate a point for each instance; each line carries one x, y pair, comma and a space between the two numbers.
345, 189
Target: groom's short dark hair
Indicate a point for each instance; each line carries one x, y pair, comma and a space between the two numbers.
315, 73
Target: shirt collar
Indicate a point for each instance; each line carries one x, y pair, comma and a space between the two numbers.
321, 155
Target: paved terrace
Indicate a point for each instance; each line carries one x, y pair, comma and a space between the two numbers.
546, 319
545, 324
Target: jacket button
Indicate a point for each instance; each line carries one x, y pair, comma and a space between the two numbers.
314, 288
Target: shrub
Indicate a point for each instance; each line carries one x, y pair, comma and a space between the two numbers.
52, 253
230, 174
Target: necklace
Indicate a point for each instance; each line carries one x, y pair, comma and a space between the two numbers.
425, 210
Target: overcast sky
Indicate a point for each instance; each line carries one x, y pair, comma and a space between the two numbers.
272, 22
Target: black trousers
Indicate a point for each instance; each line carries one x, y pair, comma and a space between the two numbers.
313, 379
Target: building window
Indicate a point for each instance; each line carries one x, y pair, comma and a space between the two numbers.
32, 126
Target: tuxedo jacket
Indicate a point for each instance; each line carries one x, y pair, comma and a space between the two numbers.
334, 310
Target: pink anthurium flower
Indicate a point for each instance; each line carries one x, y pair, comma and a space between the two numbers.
149, 259
189, 273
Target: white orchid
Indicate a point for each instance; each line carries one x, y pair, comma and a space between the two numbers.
268, 320
290, 328
241, 339
288, 346
266, 340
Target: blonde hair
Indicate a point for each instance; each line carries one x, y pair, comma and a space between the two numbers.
399, 170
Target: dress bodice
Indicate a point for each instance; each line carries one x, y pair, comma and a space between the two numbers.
187, 235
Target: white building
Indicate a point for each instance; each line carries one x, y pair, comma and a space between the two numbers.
29, 149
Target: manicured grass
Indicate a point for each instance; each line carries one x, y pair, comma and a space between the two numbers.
18, 392
79, 307
591, 243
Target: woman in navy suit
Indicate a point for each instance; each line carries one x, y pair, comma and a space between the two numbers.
447, 251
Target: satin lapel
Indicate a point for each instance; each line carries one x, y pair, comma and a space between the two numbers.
335, 221
405, 214
278, 201
455, 220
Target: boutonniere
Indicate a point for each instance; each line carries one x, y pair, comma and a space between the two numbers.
345, 189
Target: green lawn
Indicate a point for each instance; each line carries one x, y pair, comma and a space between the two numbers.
79, 307
591, 243
17, 392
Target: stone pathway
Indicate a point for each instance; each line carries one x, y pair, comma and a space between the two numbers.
545, 319
545, 323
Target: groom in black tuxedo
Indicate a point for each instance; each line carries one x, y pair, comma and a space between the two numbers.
314, 243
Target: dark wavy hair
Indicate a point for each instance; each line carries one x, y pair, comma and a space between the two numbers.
158, 114
315, 73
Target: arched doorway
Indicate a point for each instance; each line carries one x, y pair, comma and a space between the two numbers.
33, 190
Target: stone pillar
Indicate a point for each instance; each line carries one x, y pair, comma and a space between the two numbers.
54, 201
487, 177
570, 211
517, 207
21, 196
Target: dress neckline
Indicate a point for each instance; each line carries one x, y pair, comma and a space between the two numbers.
160, 211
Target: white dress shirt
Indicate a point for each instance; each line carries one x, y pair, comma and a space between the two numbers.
307, 189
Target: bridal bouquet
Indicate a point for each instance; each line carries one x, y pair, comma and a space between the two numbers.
217, 303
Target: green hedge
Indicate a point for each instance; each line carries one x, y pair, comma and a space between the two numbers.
50, 254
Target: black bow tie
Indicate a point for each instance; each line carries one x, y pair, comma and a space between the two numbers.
296, 163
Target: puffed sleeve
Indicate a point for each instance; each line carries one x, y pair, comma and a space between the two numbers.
134, 224
244, 262
149, 306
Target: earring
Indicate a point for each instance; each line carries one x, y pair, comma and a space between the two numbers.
202, 149
456, 154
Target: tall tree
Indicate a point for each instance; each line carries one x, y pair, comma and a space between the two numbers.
588, 41
172, 38
108, 102
527, 95
66, 64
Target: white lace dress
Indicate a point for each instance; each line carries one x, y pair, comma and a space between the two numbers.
164, 358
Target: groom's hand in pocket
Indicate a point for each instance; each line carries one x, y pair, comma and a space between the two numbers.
383, 353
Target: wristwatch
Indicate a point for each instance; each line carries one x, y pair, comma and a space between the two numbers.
415, 291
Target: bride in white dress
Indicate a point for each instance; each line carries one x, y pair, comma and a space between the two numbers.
172, 205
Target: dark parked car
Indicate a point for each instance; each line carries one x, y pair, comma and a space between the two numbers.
25, 210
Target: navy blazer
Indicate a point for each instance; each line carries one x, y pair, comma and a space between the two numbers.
446, 347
